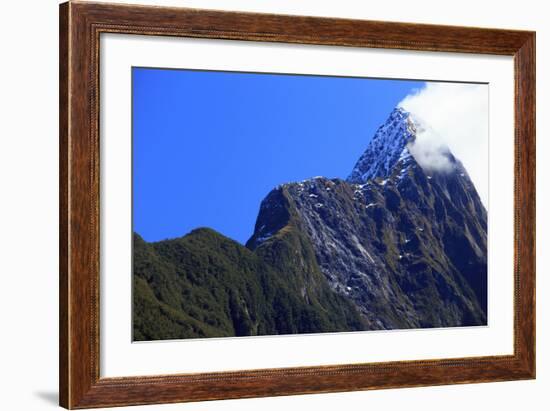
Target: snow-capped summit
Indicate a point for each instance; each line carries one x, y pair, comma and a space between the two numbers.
387, 147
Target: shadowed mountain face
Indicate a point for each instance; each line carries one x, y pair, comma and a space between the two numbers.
394, 246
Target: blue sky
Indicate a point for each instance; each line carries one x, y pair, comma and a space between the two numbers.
209, 146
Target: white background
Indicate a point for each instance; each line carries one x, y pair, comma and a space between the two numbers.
121, 358
28, 217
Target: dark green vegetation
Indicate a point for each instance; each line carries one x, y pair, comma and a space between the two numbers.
207, 285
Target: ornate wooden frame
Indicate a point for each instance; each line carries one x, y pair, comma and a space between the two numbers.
81, 24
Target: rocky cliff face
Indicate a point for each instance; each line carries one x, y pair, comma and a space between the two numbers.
407, 245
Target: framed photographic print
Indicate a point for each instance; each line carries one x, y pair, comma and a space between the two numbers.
256, 205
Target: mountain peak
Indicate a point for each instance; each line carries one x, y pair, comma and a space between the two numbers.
387, 147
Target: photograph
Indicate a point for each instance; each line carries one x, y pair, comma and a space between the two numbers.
277, 203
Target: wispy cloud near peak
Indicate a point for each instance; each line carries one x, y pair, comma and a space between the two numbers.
455, 116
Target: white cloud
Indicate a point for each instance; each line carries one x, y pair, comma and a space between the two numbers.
457, 116
429, 149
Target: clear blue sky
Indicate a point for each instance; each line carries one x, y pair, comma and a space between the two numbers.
209, 146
